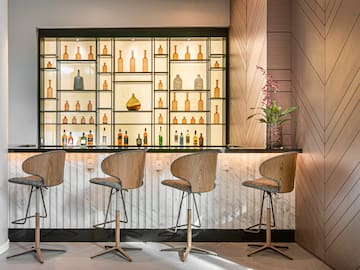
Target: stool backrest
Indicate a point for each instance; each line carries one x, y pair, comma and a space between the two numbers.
49, 166
281, 169
127, 166
199, 169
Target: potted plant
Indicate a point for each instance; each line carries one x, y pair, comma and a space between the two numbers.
271, 113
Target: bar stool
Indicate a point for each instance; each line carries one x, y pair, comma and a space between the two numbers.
196, 173
46, 170
278, 176
126, 171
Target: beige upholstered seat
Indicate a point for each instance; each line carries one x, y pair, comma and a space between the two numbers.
196, 173
46, 170
126, 171
278, 176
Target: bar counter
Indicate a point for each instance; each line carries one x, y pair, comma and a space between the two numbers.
78, 205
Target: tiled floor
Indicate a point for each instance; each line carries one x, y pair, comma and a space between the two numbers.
232, 256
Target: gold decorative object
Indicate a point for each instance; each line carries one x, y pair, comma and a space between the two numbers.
133, 103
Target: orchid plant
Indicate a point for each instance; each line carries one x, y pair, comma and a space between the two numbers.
272, 112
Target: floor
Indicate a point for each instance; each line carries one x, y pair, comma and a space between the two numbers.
232, 256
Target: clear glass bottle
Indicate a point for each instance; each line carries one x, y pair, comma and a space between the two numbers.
78, 54
216, 115
65, 54
198, 83
66, 106
119, 138
187, 102
138, 140
177, 82
217, 89
187, 138
145, 61
120, 63
200, 54
132, 62
145, 138
200, 103
176, 137
187, 54
89, 106
77, 106
105, 85
160, 119
181, 139
175, 55
160, 138
49, 91
160, 103
104, 137
64, 139
70, 140
126, 139
195, 139
91, 55
105, 119
83, 140
174, 103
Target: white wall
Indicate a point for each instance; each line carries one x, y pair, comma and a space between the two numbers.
25, 16
4, 242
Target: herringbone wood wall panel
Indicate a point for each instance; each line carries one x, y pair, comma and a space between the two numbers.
325, 79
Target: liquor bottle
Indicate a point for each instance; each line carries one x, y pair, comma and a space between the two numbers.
192, 120
104, 68
65, 54
78, 81
64, 139
216, 64
184, 121
105, 85
181, 140
105, 50
195, 139
49, 64
200, 55
104, 138
70, 140
160, 119
120, 63
65, 120
160, 103
216, 115
175, 121
90, 139
126, 139
133, 104
66, 106
78, 54
83, 140
49, 91
200, 103
145, 62
91, 120
160, 85
198, 83
160, 50
73, 120
132, 62
201, 120
91, 55
83, 121
201, 140
177, 82
145, 138
176, 137
174, 103
187, 102
187, 54
119, 138
138, 140
175, 55
89, 106
77, 106
187, 138
105, 119
160, 138
217, 90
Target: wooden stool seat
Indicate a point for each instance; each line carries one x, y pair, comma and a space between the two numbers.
31, 180
179, 184
107, 182
263, 184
